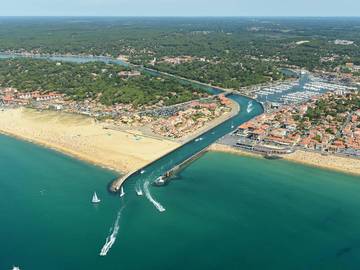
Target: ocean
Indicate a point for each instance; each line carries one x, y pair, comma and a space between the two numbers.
222, 212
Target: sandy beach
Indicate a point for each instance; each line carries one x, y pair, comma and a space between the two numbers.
331, 162
81, 137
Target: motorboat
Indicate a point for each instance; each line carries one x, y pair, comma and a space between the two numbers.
160, 181
122, 193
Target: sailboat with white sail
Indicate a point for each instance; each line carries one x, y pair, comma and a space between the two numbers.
95, 198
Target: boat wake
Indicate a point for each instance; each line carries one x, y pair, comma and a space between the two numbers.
250, 107
138, 190
110, 240
151, 199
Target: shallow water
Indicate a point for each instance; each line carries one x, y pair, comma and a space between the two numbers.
222, 211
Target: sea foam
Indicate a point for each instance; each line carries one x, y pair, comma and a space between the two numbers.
151, 199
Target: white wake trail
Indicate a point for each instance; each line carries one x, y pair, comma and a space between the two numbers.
151, 199
138, 190
110, 240
250, 107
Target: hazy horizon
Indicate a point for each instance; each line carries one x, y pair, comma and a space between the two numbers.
174, 16
176, 8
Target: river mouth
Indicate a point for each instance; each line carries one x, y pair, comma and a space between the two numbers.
223, 211
249, 108
220, 212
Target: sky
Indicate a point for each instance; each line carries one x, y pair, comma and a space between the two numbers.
180, 8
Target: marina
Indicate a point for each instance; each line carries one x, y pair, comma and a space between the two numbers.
299, 90
174, 165
172, 135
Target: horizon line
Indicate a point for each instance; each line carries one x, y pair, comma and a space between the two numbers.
179, 16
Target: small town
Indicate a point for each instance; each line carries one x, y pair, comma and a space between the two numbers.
179, 134
329, 123
176, 121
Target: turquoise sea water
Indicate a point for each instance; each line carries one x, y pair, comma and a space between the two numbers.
222, 212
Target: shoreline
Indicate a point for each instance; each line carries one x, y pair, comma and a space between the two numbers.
331, 163
79, 137
82, 138
235, 109
61, 150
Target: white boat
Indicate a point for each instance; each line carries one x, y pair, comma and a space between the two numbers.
249, 107
138, 191
15, 268
199, 139
95, 198
160, 181
122, 193
142, 171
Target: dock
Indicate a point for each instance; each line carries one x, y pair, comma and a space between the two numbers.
116, 184
173, 171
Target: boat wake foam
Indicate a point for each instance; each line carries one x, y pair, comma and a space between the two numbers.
151, 199
250, 107
138, 190
110, 240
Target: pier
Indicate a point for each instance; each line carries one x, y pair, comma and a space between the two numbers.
170, 163
190, 150
173, 171
116, 184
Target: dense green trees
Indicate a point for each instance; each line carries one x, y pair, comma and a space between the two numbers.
95, 80
333, 107
241, 51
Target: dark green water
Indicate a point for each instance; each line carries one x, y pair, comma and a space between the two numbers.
222, 212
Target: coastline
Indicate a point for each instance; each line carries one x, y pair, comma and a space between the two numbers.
235, 108
332, 163
61, 150
82, 138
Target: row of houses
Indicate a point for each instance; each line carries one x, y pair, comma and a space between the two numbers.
12, 96
288, 127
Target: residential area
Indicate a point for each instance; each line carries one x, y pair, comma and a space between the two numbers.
329, 123
174, 121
